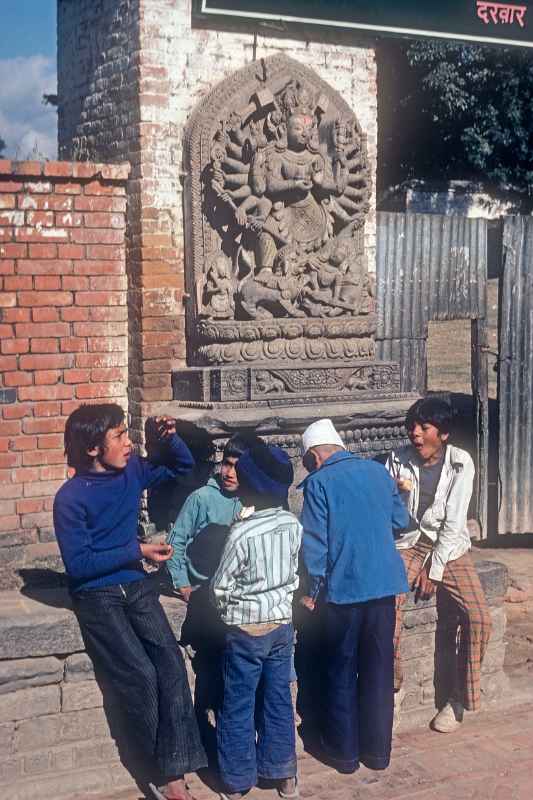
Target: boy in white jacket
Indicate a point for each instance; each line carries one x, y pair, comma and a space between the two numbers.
436, 481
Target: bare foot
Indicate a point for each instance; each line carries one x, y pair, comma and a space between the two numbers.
177, 790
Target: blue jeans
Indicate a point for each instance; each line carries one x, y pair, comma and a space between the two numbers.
256, 699
359, 697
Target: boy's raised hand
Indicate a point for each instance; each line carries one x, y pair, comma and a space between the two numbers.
166, 426
156, 552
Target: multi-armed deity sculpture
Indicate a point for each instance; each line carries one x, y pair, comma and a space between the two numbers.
276, 195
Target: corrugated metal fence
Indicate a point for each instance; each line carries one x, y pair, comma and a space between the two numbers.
429, 267
516, 379
433, 267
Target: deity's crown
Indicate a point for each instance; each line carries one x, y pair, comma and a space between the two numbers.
297, 99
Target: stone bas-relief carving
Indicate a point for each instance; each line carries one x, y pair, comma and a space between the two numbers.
281, 385
278, 190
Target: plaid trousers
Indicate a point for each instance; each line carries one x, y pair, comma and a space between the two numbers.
460, 582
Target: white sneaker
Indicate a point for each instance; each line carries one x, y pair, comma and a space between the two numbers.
288, 789
398, 700
449, 718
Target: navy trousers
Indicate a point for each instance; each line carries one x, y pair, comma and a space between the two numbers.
255, 725
359, 699
127, 634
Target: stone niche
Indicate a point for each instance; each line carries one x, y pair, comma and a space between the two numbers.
281, 310
281, 304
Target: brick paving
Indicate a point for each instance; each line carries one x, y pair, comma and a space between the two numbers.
489, 758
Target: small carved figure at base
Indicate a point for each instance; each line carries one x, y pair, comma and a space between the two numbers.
215, 293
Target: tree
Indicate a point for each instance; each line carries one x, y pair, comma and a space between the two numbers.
463, 112
2, 145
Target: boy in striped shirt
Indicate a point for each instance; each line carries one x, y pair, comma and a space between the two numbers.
252, 590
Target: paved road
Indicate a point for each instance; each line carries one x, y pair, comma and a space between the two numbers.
490, 758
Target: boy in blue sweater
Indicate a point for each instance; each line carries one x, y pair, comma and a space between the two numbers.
123, 624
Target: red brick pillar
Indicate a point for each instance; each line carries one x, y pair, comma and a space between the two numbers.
63, 331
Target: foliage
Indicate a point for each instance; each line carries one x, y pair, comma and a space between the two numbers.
469, 110
2, 145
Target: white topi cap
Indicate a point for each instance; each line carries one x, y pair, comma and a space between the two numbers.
320, 432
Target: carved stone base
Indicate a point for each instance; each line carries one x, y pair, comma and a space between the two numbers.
368, 429
298, 384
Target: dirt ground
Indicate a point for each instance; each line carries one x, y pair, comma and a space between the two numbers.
489, 758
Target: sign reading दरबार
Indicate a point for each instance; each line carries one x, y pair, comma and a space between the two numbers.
484, 21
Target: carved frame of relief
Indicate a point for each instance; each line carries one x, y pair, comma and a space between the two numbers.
276, 192
304, 383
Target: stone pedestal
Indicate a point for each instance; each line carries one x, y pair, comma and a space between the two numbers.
285, 384
428, 649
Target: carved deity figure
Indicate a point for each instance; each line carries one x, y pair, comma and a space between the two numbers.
338, 282
290, 174
285, 186
216, 291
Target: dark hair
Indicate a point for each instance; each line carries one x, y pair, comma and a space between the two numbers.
239, 443
86, 428
432, 411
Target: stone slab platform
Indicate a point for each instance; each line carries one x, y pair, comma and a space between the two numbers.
271, 421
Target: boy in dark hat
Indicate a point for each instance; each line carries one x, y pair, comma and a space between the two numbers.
252, 590
198, 537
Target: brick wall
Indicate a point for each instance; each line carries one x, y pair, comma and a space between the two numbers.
141, 66
63, 331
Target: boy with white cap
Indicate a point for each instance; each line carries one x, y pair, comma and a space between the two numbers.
350, 508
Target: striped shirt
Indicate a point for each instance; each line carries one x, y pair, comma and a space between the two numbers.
257, 574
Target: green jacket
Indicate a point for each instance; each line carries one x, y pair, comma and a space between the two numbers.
206, 506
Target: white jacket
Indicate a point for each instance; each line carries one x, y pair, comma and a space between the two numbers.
444, 522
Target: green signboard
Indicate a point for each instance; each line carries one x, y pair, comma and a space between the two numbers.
507, 23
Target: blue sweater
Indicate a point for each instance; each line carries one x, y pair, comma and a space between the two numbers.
350, 508
96, 517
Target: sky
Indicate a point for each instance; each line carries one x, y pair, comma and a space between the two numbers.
28, 69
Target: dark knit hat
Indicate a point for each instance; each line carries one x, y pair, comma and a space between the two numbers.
266, 470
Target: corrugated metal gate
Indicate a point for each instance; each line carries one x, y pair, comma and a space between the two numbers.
433, 267
515, 390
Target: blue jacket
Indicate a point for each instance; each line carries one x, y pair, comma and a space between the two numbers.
209, 505
350, 507
96, 516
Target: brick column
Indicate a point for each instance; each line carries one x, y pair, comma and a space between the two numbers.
63, 331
